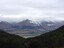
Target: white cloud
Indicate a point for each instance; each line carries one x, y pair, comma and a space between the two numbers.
36, 10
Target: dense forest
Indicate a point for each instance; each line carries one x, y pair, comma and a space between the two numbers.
11, 41
53, 39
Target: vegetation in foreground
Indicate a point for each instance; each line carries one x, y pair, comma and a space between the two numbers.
11, 41
53, 39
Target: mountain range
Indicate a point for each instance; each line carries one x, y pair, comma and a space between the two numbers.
28, 28
52, 39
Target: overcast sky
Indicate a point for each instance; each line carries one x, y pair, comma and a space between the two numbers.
36, 10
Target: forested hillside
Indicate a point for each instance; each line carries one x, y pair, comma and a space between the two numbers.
53, 39
11, 41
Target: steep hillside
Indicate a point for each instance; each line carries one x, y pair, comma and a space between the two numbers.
11, 41
53, 39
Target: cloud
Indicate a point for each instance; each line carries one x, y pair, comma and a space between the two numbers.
36, 10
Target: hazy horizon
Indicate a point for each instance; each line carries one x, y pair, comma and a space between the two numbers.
36, 10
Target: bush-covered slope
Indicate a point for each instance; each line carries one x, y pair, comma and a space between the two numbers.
11, 41
53, 39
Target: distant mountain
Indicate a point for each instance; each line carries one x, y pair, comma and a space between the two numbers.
43, 26
49, 26
28, 28
26, 24
53, 39
5, 25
